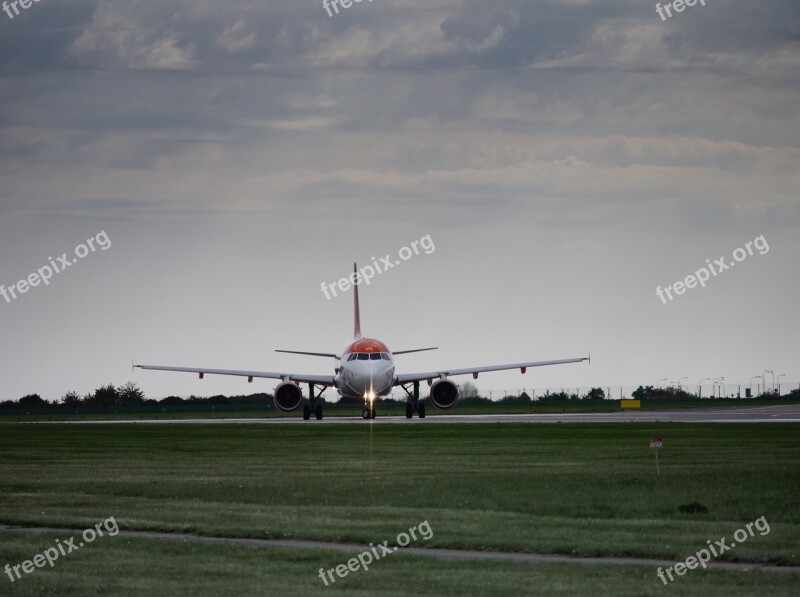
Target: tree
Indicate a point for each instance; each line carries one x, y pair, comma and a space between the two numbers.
558, 396
130, 394
103, 396
468, 390
32, 401
71, 399
651, 393
596, 394
171, 400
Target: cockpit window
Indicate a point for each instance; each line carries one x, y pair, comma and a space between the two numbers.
368, 356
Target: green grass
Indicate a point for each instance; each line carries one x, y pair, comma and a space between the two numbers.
125, 566
577, 489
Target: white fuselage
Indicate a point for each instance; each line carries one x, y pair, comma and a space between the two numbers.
366, 370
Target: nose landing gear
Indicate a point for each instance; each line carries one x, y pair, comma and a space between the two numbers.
369, 411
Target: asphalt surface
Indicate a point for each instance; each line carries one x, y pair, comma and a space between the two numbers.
734, 414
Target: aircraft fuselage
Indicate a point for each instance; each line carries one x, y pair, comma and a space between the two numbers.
366, 369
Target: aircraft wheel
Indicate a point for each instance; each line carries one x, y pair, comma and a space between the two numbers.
365, 413
373, 413
409, 410
318, 412
306, 412
421, 411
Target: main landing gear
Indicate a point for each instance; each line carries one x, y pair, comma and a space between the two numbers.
414, 405
314, 404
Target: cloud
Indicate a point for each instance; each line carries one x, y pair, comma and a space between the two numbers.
116, 40
237, 38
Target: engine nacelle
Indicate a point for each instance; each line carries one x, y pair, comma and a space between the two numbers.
288, 396
444, 393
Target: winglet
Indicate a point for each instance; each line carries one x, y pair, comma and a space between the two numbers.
356, 312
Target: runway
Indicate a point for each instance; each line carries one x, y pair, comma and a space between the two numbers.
735, 414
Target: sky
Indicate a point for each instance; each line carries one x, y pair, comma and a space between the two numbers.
565, 157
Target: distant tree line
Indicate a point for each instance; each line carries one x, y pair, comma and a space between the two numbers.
673, 393
651, 393
593, 394
128, 395
469, 394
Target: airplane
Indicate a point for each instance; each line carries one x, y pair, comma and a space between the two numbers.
365, 369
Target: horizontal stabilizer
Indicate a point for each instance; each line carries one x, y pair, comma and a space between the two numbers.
414, 350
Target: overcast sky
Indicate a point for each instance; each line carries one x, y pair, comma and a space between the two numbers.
566, 157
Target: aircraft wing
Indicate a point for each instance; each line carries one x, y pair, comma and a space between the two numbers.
410, 377
326, 380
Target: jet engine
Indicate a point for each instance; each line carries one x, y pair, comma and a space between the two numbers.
444, 393
288, 396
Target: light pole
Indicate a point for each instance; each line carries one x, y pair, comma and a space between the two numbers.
658, 383
700, 386
680, 386
779, 383
761, 377
716, 382
772, 373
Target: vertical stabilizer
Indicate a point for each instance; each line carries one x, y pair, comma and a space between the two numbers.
356, 312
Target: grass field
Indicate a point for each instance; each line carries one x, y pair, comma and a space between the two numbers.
564, 488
